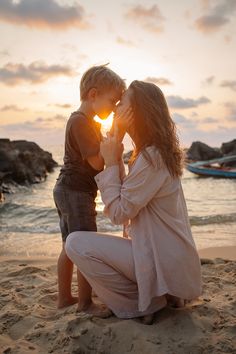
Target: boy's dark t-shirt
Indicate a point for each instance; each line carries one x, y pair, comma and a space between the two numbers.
82, 140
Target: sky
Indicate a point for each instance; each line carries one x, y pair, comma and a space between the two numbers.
186, 47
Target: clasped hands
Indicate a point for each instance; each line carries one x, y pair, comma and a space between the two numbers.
111, 147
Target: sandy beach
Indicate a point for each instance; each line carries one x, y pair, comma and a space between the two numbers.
30, 322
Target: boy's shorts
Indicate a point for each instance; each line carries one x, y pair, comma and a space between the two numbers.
76, 210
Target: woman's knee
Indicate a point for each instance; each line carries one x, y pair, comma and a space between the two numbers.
76, 244
71, 245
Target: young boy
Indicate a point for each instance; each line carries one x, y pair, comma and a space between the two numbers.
75, 190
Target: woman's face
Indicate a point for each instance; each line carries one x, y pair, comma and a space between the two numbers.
125, 101
124, 104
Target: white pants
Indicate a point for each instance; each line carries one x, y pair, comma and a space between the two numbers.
106, 261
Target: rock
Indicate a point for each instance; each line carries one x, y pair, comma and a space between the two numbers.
206, 261
127, 156
199, 151
229, 149
23, 162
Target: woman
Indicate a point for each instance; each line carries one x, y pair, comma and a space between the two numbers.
158, 262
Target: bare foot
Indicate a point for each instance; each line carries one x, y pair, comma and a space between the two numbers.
66, 302
148, 319
175, 301
97, 310
94, 294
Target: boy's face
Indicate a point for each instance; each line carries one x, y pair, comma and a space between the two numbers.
105, 103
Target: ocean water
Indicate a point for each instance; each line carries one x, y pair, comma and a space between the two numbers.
29, 221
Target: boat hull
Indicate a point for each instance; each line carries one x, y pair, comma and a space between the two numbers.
210, 172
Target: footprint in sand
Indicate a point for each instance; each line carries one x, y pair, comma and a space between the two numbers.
52, 290
26, 271
48, 300
21, 328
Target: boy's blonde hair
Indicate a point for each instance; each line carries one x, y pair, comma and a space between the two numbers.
101, 78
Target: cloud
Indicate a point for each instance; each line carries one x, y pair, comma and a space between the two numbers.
13, 108
63, 105
192, 123
43, 122
35, 73
39, 125
158, 80
125, 42
183, 122
150, 18
209, 80
190, 130
215, 17
229, 83
184, 103
43, 131
209, 120
231, 111
4, 53
42, 14
208, 24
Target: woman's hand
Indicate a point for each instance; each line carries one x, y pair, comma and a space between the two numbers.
111, 150
123, 118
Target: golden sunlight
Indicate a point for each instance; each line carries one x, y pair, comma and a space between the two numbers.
106, 123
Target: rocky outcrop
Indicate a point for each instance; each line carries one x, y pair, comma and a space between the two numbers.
199, 151
23, 162
229, 148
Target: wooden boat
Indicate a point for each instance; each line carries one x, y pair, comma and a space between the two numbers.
213, 168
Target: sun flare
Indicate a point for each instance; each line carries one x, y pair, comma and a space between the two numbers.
106, 123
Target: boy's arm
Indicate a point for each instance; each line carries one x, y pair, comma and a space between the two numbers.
96, 162
88, 143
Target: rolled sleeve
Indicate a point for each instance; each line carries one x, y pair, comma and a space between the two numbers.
109, 182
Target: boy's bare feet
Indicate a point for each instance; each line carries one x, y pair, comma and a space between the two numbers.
97, 310
66, 302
